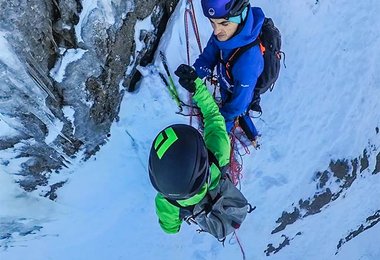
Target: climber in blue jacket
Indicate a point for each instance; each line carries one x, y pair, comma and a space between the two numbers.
235, 24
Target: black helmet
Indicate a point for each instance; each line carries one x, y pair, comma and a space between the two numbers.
178, 162
223, 8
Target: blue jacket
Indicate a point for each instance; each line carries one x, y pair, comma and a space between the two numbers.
236, 95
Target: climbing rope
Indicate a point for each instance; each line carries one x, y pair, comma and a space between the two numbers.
239, 243
236, 163
190, 14
235, 169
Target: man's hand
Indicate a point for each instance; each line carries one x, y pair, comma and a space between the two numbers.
187, 76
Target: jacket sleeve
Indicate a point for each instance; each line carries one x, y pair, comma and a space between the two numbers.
207, 60
215, 134
245, 72
168, 215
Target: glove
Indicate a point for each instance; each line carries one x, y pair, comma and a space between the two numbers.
187, 75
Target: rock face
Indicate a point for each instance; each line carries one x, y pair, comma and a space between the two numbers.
63, 70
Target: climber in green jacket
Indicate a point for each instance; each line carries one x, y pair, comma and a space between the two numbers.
180, 167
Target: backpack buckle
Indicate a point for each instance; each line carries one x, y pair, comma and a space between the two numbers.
190, 220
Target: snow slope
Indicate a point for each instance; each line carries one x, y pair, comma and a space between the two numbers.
324, 108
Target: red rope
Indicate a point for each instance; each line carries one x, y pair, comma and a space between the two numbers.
236, 167
236, 162
187, 11
190, 12
243, 144
195, 26
240, 245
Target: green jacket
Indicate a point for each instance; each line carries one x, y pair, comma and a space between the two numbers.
217, 141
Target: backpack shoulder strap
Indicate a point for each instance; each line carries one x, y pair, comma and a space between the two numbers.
184, 212
212, 159
239, 51
236, 55
174, 202
187, 211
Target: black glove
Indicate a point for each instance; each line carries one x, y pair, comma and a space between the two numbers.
187, 76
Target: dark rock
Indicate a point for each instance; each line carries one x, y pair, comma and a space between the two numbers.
364, 163
368, 223
377, 166
340, 168
287, 219
273, 250
314, 206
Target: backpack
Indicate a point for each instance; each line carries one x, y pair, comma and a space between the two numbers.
221, 211
270, 45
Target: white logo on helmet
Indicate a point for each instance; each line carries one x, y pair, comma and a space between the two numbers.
211, 11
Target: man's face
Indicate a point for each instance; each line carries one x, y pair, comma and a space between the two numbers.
223, 29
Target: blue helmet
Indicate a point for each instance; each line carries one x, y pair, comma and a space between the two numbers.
223, 8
